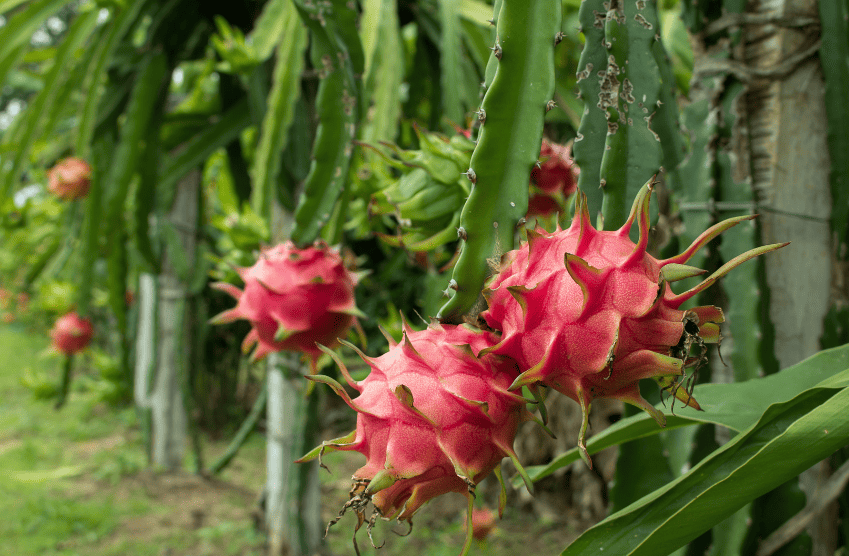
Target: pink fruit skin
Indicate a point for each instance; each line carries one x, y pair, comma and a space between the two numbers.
432, 418
293, 298
71, 334
557, 171
483, 522
541, 204
70, 179
589, 313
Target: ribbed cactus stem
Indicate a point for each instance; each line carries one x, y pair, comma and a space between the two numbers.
508, 143
589, 144
336, 54
630, 91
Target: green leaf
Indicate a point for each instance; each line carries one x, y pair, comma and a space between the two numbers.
736, 406
790, 437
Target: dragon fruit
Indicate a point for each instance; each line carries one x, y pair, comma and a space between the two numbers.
293, 298
69, 179
556, 172
483, 522
432, 419
589, 313
71, 333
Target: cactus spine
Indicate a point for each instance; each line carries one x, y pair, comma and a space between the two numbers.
508, 143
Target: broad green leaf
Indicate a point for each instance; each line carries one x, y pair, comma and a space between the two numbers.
735, 406
790, 437
728, 535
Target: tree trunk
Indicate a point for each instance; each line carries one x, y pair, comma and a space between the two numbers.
293, 496
790, 171
169, 420
145, 354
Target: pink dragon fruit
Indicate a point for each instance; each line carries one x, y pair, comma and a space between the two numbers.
556, 172
432, 418
540, 204
589, 313
483, 522
293, 298
71, 334
69, 179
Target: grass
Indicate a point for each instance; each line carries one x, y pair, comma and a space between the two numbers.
77, 482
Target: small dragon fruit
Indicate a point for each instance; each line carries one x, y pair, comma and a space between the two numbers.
540, 204
69, 179
293, 298
71, 333
556, 172
483, 522
432, 418
589, 313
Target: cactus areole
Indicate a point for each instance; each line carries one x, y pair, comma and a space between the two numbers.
589, 313
293, 298
70, 179
432, 418
71, 333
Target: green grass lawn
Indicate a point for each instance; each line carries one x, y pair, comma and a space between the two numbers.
75, 481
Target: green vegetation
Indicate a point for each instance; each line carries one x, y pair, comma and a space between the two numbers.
73, 482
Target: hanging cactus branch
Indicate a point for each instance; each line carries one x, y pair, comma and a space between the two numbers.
508, 144
337, 55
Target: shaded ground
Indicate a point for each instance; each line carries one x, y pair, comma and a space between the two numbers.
76, 482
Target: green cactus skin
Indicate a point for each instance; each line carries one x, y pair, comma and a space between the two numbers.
834, 55
589, 144
630, 122
336, 53
492, 63
744, 287
630, 92
280, 110
508, 144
